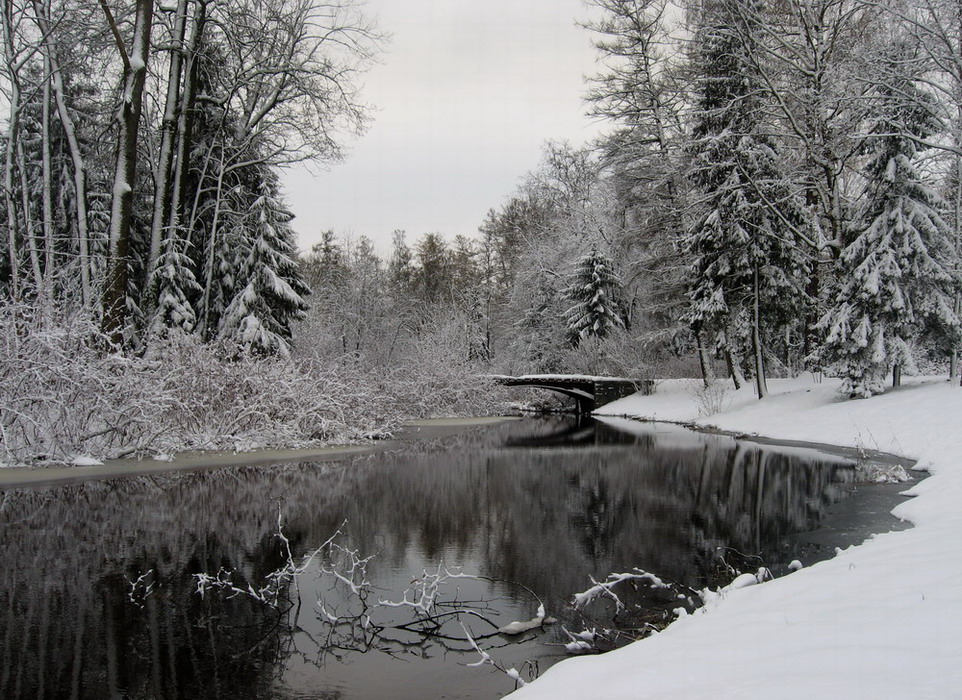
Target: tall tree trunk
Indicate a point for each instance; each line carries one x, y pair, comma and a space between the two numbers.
704, 360
168, 127
897, 375
47, 170
954, 353
121, 211
76, 156
185, 119
761, 386
30, 228
734, 370
204, 311
12, 139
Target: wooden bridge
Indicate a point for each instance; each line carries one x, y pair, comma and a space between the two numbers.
589, 392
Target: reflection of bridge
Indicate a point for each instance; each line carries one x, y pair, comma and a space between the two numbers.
589, 392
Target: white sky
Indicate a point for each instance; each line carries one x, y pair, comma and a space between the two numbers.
465, 95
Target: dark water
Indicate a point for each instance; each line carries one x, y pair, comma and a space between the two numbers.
98, 594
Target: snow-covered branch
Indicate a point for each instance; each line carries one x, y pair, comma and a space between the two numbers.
605, 589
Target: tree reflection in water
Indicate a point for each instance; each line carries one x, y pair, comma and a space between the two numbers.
97, 594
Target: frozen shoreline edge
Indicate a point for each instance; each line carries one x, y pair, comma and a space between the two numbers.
55, 475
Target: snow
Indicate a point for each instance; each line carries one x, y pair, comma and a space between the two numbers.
520, 627
562, 377
880, 620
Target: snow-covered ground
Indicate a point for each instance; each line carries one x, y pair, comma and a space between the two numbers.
880, 620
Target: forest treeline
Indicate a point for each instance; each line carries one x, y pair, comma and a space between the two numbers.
779, 188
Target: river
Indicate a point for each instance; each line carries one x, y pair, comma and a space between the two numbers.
99, 591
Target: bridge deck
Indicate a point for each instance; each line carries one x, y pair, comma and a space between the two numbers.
590, 392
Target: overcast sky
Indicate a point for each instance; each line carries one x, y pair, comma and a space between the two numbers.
465, 95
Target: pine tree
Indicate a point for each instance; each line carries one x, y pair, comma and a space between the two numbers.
594, 293
895, 282
270, 289
748, 268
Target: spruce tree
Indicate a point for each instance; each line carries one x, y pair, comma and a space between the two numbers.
747, 267
174, 284
594, 295
895, 281
270, 289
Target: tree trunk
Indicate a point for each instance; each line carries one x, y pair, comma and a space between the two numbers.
76, 156
897, 375
27, 217
204, 311
29, 224
734, 370
12, 138
704, 360
47, 170
121, 211
162, 194
954, 353
185, 119
761, 386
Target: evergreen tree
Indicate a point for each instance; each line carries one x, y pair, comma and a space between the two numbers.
401, 271
895, 281
748, 268
271, 289
175, 285
595, 296
433, 276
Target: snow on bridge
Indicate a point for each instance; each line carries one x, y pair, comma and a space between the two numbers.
590, 392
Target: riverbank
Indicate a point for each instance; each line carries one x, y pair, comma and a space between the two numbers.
880, 620
51, 475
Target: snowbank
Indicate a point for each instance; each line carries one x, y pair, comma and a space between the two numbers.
881, 620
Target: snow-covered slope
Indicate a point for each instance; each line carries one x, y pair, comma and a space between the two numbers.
880, 620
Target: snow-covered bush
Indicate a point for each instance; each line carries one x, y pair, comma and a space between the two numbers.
63, 396
711, 398
60, 397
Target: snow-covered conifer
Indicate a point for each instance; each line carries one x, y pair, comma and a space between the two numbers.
895, 281
270, 288
748, 269
594, 295
174, 284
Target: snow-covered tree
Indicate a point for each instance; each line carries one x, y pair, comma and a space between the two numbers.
895, 278
270, 289
118, 302
595, 296
174, 284
748, 269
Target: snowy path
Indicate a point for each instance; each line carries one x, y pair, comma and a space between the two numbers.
881, 620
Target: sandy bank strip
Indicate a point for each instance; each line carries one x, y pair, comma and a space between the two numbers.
428, 429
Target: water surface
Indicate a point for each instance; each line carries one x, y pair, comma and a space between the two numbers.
98, 589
